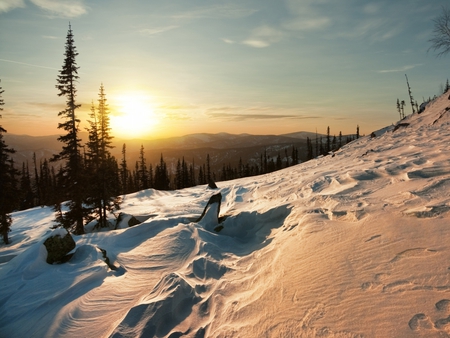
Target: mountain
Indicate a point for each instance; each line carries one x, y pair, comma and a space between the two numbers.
356, 244
223, 148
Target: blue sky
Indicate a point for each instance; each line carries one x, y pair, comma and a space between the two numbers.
248, 66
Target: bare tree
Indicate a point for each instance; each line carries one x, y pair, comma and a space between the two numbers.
440, 42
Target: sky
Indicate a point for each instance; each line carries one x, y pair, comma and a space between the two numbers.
171, 68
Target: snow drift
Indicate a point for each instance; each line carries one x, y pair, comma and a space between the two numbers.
355, 244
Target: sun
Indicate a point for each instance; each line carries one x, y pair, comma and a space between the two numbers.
134, 116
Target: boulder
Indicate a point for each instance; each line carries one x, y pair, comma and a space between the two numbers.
212, 184
217, 198
133, 221
58, 246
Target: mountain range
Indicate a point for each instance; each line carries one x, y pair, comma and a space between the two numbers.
223, 148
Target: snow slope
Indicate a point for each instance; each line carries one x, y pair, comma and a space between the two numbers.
356, 244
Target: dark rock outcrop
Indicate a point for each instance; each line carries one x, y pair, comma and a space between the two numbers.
212, 184
133, 221
58, 248
217, 198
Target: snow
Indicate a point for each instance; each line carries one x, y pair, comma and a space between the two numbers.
349, 245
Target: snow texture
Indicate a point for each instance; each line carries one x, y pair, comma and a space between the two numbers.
356, 244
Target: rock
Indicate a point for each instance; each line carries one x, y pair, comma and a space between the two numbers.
58, 246
133, 221
217, 198
212, 184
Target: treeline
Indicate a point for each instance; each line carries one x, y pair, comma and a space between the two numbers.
43, 184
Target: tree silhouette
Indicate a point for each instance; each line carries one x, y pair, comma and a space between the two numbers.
8, 188
73, 167
440, 42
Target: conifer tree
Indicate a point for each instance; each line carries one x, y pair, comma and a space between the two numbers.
317, 145
162, 180
410, 95
178, 176
328, 149
185, 174
309, 148
103, 168
142, 171
8, 192
208, 169
25, 188
73, 167
192, 173
201, 176
124, 170
150, 176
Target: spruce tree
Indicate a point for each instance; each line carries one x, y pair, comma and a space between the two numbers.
8, 191
410, 95
124, 170
70, 153
162, 180
25, 188
309, 148
328, 149
103, 169
142, 171
208, 169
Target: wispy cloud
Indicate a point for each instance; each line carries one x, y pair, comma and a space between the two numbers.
156, 30
7, 5
372, 8
225, 11
263, 36
307, 15
229, 41
63, 8
27, 64
401, 69
301, 24
242, 114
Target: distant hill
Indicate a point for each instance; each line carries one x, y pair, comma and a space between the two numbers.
223, 148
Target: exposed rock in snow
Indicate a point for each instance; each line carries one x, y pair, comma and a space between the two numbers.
58, 245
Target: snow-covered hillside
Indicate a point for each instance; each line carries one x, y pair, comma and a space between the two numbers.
349, 245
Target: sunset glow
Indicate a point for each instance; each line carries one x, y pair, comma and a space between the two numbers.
135, 116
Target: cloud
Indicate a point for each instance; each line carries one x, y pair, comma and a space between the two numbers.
240, 114
7, 5
221, 11
371, 8
27, 64
401, 69
229, 41
301, 24
263, 36
375, 29
157, 30
177, 116
63, 8
307, 15
46, 106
